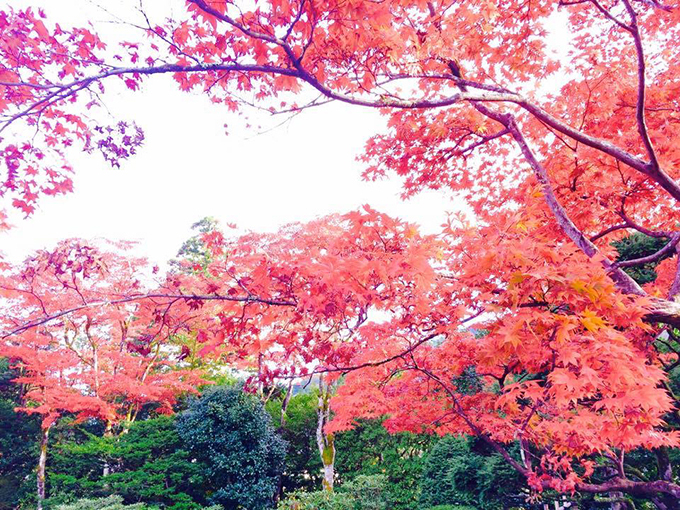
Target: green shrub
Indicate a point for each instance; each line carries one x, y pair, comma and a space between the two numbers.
114, 502
231, 434
150, 465
465, 472
303, 463
451, 507
318, 500
636, 246
365, 492
110, 503
369, 449
369, 492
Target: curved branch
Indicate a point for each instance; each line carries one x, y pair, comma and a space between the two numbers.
651, 233
607, 231
141, 297
667, 250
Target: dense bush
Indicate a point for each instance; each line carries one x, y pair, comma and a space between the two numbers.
316, 500
451, 507
368, 492
230, 432
303, 464
461, 471
19, 435
109, 503
148, 464
222, 449
369, 449
636, 246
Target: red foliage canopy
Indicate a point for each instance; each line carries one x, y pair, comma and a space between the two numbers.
557, 154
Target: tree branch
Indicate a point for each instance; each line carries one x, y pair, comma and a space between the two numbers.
141, 297
667, 250
640, 106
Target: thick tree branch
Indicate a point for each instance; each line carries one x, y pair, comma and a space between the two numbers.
632, 487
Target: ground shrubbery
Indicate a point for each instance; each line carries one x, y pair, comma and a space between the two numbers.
462, 471
111, 503
365, 492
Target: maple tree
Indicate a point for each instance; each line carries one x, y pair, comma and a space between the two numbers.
106, 362
568, 364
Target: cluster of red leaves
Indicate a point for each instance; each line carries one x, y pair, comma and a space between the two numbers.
45, 74
102, 359
323, 278
556, 358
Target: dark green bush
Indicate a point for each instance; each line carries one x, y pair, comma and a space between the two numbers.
462, 471
148, 464
369, 449
231, 434
114, 502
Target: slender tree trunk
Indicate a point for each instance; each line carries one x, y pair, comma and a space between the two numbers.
325, 442
42, 463
284, 410
284, 404
108, 432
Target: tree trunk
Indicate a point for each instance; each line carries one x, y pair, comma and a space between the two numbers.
324, 441
108, 432
42, 463
284, 404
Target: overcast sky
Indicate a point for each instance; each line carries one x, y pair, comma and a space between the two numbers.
188, 169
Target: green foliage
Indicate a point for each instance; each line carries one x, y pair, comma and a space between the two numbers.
193, 255
461, 471
114, 502
317, 500
19, 435
148, 464
369, 449
369, 492
303, 464
451, 507
362, 493
636, 246
109, 503
158, 468
232, 435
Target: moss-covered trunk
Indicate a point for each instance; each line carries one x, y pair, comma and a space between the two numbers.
42, 463
325, 441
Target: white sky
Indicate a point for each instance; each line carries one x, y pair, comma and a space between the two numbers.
188, 169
